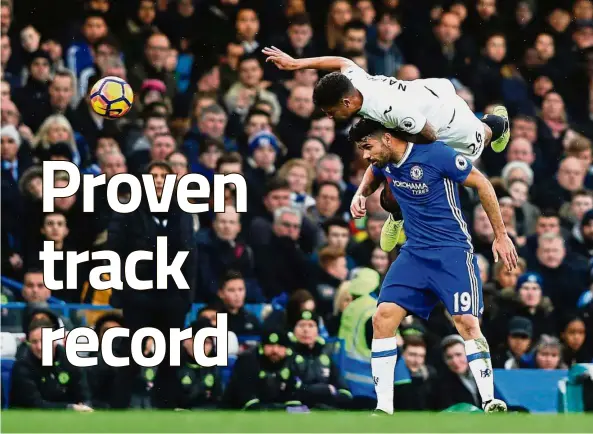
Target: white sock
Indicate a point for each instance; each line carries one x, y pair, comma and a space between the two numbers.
478, 356
383, 358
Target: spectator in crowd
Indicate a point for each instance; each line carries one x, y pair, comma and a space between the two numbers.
153, 308
196, 387
415, 395
456, 384
331, 272
547, 354
518, 341
385, 57
220, 249
262, 377
328, 202
281, 265
564, 278
102, 378
582, 236
574, 338
277, 195
322, 383
61, 385
232, 295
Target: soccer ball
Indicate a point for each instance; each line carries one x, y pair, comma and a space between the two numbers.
111, 97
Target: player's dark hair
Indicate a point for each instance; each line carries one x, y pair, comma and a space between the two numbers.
299, 20
228, 276
277, 183
331, 89
364, 128
334, 221
355, 25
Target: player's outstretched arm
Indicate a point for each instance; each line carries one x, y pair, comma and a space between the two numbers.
369, 184
502, 246
288, 63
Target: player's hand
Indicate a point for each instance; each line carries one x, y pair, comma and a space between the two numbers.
358, 206
279, 58
504, 249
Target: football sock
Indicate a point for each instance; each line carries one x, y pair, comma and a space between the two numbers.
383, 358
478, 357
497, 124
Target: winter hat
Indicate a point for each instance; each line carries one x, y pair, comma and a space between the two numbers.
12, 132
263, 138
529, 277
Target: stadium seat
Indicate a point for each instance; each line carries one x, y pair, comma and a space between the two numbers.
8, 344
7, 365
228, 370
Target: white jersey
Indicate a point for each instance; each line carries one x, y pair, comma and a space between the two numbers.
408, 105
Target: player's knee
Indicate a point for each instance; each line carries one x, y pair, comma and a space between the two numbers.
385, 320
468, 326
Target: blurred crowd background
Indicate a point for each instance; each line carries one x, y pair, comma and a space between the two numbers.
295, 272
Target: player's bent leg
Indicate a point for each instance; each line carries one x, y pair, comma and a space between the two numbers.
386, 320
498, 122
478, 357
392, 229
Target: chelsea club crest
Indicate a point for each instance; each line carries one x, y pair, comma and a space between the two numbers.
416, 173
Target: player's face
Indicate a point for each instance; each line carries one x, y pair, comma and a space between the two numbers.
342, 111
375, 150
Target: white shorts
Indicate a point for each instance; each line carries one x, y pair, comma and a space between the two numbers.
465, 132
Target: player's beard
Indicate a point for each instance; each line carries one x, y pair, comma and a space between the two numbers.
384, 158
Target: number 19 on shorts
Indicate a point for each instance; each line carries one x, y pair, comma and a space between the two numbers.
465, 299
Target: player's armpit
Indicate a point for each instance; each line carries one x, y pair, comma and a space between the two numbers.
428, 134
425, 136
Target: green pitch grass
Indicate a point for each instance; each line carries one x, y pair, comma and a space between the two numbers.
334, 422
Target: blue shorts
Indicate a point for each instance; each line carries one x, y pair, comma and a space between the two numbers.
418, 279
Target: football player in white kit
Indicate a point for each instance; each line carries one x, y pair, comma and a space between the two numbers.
427, 109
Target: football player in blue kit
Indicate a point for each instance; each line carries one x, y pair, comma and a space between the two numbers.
437, 262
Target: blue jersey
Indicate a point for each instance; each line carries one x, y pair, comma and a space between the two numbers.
424, 183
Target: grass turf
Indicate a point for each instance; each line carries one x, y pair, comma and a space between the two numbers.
185, 421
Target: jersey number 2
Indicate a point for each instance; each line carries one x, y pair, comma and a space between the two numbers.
465, 300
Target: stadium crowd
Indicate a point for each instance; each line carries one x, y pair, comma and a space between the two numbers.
207, 102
